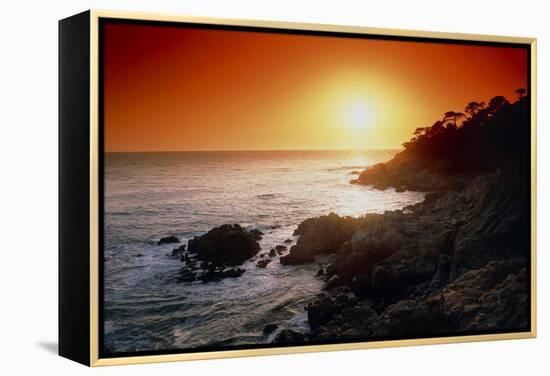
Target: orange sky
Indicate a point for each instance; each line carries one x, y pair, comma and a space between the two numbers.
175, 88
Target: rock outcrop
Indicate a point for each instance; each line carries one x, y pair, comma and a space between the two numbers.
318, 236
168, 240
457, 262
227, 245
214, 256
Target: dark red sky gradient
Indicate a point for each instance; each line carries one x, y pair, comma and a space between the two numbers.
177, 88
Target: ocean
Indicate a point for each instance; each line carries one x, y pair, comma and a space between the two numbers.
152, 195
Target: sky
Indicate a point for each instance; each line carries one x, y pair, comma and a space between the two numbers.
170, 88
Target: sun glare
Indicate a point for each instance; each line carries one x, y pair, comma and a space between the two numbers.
358, 116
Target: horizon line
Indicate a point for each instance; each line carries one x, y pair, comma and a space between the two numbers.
241, 150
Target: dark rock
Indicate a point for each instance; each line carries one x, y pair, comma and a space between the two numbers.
321, 311
272, 252
270, 328
492, 297
408, 175
408, 317
288, 241
186, 258
280, 249
326, 307
361, 284
433, 196
321, 235
333, 282
139, 255
352, 323
385, 283
168, 239
214, 275
457, 263
288, 336
320, 272
227, 245
263, 263
256, 234
186, 275
361, 314
178, 252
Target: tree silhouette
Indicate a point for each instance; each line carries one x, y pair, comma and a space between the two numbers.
496, 102
472, 108
493, 136
521, 92
451, 115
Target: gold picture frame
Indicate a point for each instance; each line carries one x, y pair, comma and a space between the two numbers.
70, 337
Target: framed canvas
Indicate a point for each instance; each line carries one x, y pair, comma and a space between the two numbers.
236, 188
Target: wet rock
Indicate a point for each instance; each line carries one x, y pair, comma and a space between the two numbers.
256, 234
288, 336
214, 275
319, 236
263, 263
228, 245
168, 240
272, 252
270, 328
326, 307
186, 275
280, 249
333, 282
288, 241
178, 252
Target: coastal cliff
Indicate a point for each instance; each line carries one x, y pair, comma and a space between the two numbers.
458, 262
448, 154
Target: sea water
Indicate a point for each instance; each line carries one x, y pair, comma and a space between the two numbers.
152, 195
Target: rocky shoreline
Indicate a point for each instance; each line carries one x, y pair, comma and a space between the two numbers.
455, 263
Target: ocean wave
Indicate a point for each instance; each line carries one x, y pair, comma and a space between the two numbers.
343, 168
268, 196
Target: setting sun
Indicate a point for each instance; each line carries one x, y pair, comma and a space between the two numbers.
286, 92
358, 116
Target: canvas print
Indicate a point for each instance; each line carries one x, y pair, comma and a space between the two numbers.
277, 188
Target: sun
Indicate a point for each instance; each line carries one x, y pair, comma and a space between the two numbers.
358, 116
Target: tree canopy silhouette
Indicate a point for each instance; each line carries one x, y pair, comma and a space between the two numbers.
485, 137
